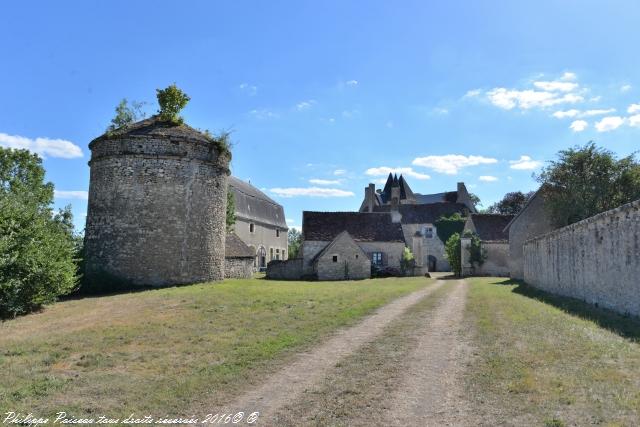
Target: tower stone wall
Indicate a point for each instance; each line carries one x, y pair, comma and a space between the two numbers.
157, 206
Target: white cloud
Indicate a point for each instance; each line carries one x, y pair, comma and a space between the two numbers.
473, 93
595, 98
324, 181
527, 99
487, 178
440, 110
339, 172
524, 163
263, 113
578, 113
553, 86
625, 88
385, 170
451, 163
305, 105
609, 123
250, 90
352, 83
311, 192
568, 76
290, 221
578, 125
634, 121
71, 194
347, 114
633, 108
568, 113
43, 146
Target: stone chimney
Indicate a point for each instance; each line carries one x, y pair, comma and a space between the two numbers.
395, 196
369, 197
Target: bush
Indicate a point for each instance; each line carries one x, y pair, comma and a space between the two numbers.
171, 100
37, 248
407, 262
452, 251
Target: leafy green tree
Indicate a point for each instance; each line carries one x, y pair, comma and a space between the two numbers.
37, 248
475, 199
126, 114
407, 261
295, 242
171, 101
585, 181
452, 252
511, 203
231, 211
476, 254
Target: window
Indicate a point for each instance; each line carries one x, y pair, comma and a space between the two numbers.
251, 228
356, 256
283, 257
270, 253
277, 233
335, 258
428, 232
376, 258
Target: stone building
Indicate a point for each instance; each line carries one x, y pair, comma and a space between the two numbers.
238, 258
494, 240
157, 202
532, 221
260, 223
374, 234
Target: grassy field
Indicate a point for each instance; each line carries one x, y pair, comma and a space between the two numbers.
162, 351
547, 360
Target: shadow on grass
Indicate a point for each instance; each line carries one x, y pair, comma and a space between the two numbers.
622, 325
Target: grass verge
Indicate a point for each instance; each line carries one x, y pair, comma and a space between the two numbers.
157, 352
549, 360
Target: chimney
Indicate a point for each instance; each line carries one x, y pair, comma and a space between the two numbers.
395, 196
369, 195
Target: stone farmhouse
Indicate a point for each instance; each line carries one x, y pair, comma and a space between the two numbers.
494, 241
260, 223
388, 220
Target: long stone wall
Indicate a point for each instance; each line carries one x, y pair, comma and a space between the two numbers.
596, 260
285, 270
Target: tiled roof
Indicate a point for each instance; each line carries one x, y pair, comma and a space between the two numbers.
236, 248
252, 204
363, 227
491, 227
425, 214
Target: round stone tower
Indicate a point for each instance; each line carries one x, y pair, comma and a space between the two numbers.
157, 206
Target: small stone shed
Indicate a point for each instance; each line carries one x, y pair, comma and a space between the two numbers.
342, 259
490, 228
238, 258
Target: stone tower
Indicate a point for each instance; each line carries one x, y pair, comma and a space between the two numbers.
157, 206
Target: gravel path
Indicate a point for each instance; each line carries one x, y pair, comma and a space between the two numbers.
310, 367
431, 392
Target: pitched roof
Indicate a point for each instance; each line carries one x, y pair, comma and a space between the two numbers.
447, 196
525, 207
491, 227
326, 249
253, 205
424, 214
154, 126
362, 226
236, 248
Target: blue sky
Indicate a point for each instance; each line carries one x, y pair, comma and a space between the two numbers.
324, 97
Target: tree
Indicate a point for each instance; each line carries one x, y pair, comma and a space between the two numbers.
475, 199
452, 252
295, 241
511, 203
408, 261
231, 211
171, 100
585, 181
37, 248
126, 114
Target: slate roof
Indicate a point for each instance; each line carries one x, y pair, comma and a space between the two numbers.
393, 181
491, 227
236, 248
425, 214
253, 205
448, 196
362, 227
327, 248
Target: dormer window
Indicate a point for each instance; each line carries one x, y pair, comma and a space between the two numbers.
277, 233
251, 228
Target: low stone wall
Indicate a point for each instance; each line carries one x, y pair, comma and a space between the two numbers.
238, 268
496, 261
596, 260
285, 270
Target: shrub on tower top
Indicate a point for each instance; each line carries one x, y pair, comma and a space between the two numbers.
171, 100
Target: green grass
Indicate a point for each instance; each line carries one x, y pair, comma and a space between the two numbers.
165, 351
549, 360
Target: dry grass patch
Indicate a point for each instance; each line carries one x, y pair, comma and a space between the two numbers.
157, 352
548, 360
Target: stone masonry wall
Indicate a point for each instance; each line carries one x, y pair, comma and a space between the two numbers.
350, 262
596, 260
156, 212
285, 270
238, 268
